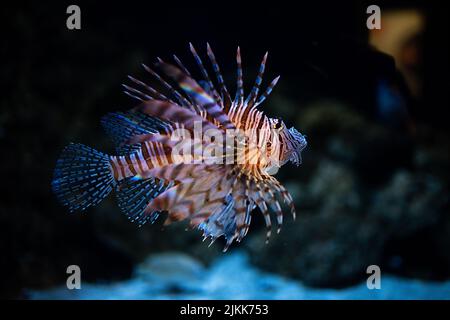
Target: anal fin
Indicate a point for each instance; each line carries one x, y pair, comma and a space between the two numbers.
134, 196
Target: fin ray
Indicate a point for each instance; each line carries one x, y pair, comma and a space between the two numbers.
82, 177
134, 196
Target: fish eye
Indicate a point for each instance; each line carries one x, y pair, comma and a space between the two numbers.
278, 125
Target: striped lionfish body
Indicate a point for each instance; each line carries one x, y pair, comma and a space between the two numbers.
230, 151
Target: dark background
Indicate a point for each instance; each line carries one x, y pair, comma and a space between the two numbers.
373, 188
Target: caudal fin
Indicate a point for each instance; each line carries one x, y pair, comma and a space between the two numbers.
82, 177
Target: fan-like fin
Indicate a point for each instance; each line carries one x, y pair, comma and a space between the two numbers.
174, 113
275, 206
122, 126
188, 102
205, 74
149, 123
240, 195
135, 93
267, 92
179, 98
134, 196
249, 102
281, 190
181, 65
154, 93
221, 222
191, 87
223, 89
239, 99
259, 200
82, 177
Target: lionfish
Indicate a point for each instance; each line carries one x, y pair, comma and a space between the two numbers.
217, 197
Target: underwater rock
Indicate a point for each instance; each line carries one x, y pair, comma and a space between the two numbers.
350, 225
409, 202
372, 150
179, 272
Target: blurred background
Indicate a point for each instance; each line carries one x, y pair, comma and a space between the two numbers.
373, 187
